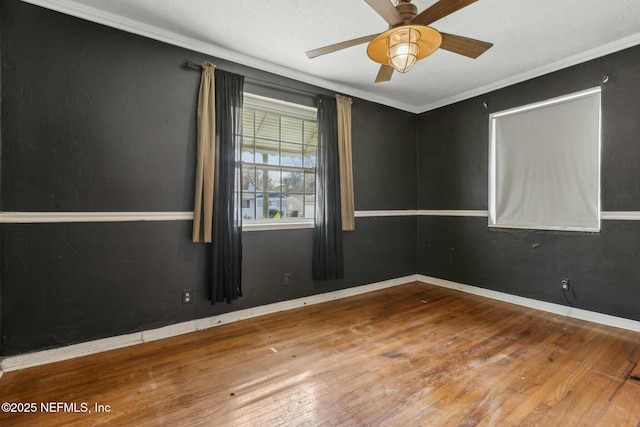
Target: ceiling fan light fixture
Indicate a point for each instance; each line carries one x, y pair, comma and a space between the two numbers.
416, 40
403, 48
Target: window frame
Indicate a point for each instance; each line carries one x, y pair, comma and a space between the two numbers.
286, 109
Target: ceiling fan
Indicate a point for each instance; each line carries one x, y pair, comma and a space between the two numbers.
409, 38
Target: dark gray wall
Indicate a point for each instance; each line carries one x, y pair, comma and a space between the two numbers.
2, 251
604, 268
95, 119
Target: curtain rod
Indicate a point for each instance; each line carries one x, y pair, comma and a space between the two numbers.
193, 65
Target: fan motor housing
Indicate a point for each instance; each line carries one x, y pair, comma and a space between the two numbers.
407, 10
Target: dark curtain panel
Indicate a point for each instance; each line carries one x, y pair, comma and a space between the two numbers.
226, 248
328, 263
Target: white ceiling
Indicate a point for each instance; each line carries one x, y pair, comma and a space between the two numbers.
530, 37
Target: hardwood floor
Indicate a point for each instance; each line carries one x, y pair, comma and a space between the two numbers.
409, 355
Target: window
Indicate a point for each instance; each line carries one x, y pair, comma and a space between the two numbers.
544, 164
279, 151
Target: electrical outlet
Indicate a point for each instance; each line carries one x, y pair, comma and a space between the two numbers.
285, 279
566, 285
187, 296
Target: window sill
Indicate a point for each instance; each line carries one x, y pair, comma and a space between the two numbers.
257, 225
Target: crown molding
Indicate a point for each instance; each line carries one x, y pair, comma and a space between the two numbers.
580, 58
69, 7
132, 26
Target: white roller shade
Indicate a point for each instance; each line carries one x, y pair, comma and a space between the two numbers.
544, 164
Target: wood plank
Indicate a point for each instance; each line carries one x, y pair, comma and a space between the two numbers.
409, 355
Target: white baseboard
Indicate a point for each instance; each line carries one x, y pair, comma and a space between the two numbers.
15, 363
575, 313
23, 361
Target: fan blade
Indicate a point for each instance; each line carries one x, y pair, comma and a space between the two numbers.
439, 10
386, 10
339, 46
385, 73
463, 45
